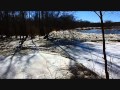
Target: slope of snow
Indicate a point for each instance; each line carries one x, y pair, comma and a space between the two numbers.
35, 65
90, 55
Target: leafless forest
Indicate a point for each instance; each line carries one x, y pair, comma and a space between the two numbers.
52, 45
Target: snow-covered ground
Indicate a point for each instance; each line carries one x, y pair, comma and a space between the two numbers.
90, 55
39, 65
56, 66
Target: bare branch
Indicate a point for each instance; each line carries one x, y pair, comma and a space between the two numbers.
97, 13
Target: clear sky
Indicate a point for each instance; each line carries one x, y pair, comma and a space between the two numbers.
91, 16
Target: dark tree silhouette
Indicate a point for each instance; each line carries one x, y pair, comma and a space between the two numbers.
23, 23
104, 51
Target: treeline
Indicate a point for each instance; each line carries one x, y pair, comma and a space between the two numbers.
107, 24
31, 23
24, 23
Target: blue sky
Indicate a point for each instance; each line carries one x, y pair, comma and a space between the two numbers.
91, 16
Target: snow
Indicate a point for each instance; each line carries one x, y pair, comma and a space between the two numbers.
35, 65
90, 55
43, 64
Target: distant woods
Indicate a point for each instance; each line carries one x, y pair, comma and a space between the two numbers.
24, 23
31, 23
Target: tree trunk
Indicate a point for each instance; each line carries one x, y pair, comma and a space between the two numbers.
7, 24
47, 29
42, 22
104, 52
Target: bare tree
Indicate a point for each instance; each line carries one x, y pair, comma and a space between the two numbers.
6, 18
100, 14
